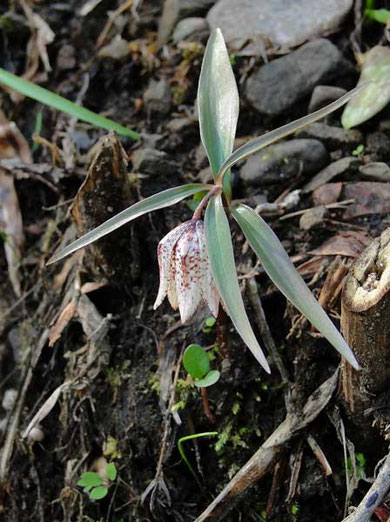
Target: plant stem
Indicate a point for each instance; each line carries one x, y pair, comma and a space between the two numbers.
206, 406
198, 212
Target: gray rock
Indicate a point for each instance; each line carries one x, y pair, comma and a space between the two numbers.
312, 218
322, 95
330, 172
284, 161
157, 97
9, 399
331, 137
193, 29
153, 162
176, 10
375, 171
249, 26
276, 86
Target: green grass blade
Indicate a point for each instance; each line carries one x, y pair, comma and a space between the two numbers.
261, 142
220, 252
218, 102
163, 199
183, 455
281, 270
55, 101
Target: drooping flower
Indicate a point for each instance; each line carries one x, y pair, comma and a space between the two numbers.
185, 272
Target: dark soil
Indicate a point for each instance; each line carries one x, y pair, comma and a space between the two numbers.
117, 403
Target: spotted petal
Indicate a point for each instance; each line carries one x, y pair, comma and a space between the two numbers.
209, 290
188, 273
164, 254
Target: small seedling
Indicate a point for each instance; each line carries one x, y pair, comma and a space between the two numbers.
377, 15
95, 485
197, 363
358, 151
208, 324
183, 455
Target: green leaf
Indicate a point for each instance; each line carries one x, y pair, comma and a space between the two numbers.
196, 361
89, 478
55, 101
281, 270
220, 252
98, 493
261, 142
183, 455
376, 96
111, 471
163, 199
378, 15
218, 102
211, 378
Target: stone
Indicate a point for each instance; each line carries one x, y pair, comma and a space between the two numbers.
117, 49
157, 97
330, 172
9, 399
66, 57
312, 218
176, 10
276, 86
322, 95
193, 29
284, 161
331, 137
375, 171
151, 161
249, 26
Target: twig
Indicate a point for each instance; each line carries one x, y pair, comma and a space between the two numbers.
374, 496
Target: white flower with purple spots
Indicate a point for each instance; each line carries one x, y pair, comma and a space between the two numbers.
185, 272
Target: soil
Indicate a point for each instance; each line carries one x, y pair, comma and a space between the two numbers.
115, 354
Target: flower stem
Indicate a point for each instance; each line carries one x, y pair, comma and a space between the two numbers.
198, 212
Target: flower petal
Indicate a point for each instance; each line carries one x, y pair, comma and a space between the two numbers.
208, 289
164, 254
188, 273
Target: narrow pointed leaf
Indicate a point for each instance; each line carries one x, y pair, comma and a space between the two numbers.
281, 270
42, 95
218, 102
220, 251
376, 67
282, 132
163, 199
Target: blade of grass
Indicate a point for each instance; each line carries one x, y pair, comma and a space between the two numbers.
281, 270
221, 256
183, 455
261, 142
55, 101
163, 199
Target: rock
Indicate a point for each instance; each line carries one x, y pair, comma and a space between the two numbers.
322, 95
331, 137
251, 25
331, 171
191, 29
378, 143
277, 85
176, 10
66, 58
117, 49
157, 97
151, 161
376, 171
371, 197
284, 161
327, 194
9, 399
312, 218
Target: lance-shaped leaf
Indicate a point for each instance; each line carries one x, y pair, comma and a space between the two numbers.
280, 269
218, 102
282, 132
163, 199
376, 96
220, 251
31, 90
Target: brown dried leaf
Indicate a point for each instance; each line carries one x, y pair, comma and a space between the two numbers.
63, 320
349, 244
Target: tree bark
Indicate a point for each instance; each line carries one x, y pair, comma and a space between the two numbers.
365, 323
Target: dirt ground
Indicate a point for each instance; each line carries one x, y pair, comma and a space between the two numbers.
86, 327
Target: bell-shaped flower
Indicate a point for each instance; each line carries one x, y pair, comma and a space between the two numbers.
185, 272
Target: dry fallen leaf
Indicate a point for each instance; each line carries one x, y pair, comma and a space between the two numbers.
349, 244
370, 198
